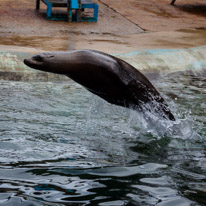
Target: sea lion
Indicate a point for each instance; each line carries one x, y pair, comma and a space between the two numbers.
107, 76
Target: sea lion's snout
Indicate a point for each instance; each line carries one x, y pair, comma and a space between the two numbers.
35, 60
26, 61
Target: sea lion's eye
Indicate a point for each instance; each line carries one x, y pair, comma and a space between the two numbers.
37, 58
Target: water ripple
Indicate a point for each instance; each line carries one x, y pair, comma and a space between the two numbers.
60, 145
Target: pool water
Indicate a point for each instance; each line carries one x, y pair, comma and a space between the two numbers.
61, 145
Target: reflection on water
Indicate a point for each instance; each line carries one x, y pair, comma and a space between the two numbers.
60, 145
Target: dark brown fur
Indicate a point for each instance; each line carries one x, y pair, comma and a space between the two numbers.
109, 77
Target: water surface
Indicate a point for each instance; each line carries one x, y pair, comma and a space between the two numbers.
61, 145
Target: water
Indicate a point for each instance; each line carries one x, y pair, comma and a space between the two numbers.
61, 145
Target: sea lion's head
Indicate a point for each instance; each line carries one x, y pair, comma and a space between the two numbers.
55, 62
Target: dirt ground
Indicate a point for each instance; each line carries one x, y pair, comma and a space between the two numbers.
123, 26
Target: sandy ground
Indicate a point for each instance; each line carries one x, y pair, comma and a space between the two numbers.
123, 26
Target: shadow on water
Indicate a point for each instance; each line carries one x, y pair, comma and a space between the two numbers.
60, 145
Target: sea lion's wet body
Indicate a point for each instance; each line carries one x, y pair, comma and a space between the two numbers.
104, 75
